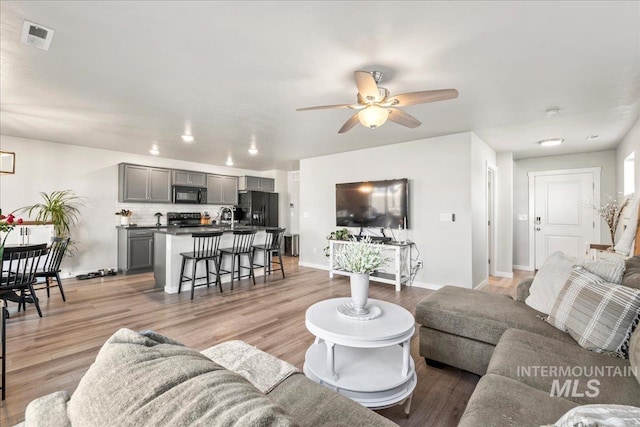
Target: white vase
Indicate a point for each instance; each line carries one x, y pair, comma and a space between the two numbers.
359, 292
124, 220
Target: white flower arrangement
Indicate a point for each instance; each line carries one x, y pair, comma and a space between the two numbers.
362, 257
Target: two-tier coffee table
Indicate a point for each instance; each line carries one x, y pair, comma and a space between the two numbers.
367, 361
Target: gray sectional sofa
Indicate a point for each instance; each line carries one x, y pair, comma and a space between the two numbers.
516, 352
146, 379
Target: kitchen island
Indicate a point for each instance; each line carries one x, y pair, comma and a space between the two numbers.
170, 242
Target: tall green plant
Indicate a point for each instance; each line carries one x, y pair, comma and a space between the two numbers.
60, 208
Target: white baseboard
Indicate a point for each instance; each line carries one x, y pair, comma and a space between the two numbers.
313, 265
522, 267
423, 285
505, 274
482, 284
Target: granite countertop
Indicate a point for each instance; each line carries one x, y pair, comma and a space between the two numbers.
176, 231
136, 227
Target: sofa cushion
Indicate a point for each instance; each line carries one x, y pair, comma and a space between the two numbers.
140, 379
314, 405
482, 316
631, 277
48, 411
634, 353
540, 361
597, 314
499, 401
549, 280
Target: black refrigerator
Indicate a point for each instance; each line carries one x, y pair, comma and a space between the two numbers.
258, 208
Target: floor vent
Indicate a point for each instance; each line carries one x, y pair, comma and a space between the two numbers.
36, 35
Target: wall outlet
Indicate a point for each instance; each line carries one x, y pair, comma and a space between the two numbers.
419, 264
522, 217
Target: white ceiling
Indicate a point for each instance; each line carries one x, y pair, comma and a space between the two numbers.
121, 75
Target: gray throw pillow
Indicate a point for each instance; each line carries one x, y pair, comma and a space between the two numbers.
597, 314
147, 380
549, 280
611, 270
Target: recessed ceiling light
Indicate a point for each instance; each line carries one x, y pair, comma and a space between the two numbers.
187, 138
253, 151
154, 150
592, 137
552, 112
229, 161
551, 142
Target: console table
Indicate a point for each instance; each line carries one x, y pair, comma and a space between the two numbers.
401, 263
367, 361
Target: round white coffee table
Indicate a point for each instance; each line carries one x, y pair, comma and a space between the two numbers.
367, 361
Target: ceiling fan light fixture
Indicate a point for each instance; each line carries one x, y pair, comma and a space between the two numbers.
551, 142
373, 116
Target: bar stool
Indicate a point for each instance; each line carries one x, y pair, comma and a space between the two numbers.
242, 245
205, 248
272, 245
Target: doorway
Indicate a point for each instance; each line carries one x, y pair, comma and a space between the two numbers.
561, 213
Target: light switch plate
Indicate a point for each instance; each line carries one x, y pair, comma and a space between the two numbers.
447, 217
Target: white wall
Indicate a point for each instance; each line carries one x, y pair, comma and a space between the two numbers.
481, 155
439, 173
46, 166
630, 143
504, 215
604, 159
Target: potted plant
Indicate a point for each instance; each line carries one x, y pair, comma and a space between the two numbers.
342, 234
611, 212
61, 208
7, 223
360, 258
124, 216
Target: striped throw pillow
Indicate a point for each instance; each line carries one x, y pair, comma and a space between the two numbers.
610, 270
597, 314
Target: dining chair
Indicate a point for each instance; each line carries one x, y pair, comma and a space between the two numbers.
51, 266
272, 246
19, 266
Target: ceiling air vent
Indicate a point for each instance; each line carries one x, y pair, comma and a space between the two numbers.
36, 35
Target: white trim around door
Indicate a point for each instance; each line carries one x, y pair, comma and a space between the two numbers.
596, 202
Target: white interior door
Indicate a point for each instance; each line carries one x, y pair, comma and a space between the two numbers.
563, 214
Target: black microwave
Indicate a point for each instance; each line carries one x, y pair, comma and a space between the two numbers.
191, 195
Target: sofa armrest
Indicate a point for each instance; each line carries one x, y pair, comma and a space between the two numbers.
522, 291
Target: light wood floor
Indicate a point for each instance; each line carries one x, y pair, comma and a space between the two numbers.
52, 353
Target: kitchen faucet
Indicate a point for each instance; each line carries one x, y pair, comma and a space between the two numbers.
231, 210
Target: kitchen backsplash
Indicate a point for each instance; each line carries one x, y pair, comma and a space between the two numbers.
143, 213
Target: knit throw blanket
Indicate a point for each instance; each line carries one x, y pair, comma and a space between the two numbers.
261, 369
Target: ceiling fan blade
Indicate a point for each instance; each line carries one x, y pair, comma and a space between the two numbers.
413, 98
325, 107
402, 118
349, 124
367, 86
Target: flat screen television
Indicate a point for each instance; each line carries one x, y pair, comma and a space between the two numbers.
379, 204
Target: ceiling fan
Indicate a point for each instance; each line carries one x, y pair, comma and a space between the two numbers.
376, 106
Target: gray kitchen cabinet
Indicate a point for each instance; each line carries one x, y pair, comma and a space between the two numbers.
256, 183
222, 190
135, 250
189, 178
143, 184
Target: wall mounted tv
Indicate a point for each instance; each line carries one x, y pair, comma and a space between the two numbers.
376, 204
